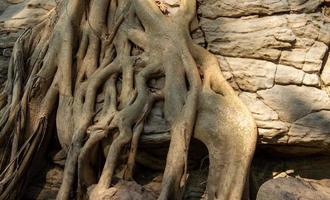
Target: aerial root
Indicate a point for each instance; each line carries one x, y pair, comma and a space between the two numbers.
85, 172
128, 173
28, 149
137, 131
91, 60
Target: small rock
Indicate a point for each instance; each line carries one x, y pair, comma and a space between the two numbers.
325, 76
252, 75
311, 80
7, 52
292, 189
295, 58
124, 190
288, 75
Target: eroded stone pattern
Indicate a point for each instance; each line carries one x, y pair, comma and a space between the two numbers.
275, 54
238, 8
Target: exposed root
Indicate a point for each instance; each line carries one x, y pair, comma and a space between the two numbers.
105, 64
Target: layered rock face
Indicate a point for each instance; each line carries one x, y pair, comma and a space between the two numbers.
275, 54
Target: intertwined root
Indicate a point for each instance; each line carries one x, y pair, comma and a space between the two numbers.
104, 64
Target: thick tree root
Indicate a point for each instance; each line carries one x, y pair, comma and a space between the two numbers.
100, 66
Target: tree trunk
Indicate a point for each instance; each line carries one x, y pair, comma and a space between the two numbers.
100, 66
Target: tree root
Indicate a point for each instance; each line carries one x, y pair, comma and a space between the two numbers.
103, 64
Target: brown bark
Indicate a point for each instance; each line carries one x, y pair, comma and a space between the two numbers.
87, 50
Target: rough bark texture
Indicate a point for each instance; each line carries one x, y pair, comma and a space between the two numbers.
273, 53
94, 71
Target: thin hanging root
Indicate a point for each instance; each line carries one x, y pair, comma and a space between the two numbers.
86, 107
85, 173
124, 120
128, 173
8, 124
23, 157
97, 133
95, 81
30, 147
3, 100
113, 154
79, 71
14, 148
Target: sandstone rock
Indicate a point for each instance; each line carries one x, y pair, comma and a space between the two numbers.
272, 132
198, 37
294, 102
266, 167
313, 26
288, 75
325, 75
295, 58
126, 190
251, 74
236, 8
259, 110
272, 136
311, 80
26, 13
292, 189
261, 38
298, 40
276, 124
309, 59
311, 130
314, 57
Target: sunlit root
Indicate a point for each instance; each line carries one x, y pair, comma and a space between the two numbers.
97, 69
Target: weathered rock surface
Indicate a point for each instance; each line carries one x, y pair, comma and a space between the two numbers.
22, 14
288, 75
292, 189
250, 74
303, 116
15, 16
275, 54
127, 190
313, 129
294, 102
237, 8
266, 166
295, 40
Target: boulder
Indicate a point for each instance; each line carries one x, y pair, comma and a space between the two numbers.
292, 189
250, 74
294, 102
